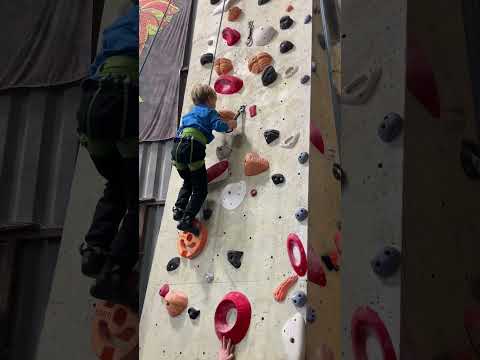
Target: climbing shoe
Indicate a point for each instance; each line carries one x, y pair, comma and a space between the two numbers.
177, 213
93, 259
186, 224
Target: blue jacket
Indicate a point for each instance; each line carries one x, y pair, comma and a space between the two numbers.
120, 38
204, 119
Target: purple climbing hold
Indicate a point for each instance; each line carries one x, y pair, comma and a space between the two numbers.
206, 59
235, 258
308, 18
386, 262
271, 135
303, 157
173, 264
278, 179
311, 314
301, 214
391, 127
305, 79
299, 299
193, 313
269, 76
285, 22
286, 46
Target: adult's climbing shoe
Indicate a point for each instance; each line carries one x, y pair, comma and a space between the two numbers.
186, 224
177, 213
93, 259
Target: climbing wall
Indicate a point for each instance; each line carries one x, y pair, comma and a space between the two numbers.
252, 214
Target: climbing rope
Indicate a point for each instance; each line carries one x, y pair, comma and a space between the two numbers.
155, 36
216, 43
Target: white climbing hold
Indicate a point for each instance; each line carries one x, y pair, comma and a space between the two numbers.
262, 35
290, 141
291, 71
219, 8
233, 195
293, 337
361, 89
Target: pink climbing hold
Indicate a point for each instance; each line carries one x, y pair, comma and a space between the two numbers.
280, 293
421, 79
253, 192
316, 137
228, 84
231, 36
164, 290
237, 331
253, 110
365, 321
316, 274
300, 267
218, 172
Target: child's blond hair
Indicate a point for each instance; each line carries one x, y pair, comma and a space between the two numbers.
201, 93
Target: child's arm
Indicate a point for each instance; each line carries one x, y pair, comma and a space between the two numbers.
220, 125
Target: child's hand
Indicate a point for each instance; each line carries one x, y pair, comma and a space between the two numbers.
232, 124
226, 351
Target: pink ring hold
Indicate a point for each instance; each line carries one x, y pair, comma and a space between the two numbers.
237, 331
294, 241
228, 84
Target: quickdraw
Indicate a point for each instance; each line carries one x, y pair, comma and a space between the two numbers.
241, 111
251, 26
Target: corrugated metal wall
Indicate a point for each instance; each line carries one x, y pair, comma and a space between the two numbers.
155, 169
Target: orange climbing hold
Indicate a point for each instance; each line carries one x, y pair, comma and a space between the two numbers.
234, 13
227, 115
223, 66
255, 164
176, 302
189, 245
259, 62
115, 324
281, 291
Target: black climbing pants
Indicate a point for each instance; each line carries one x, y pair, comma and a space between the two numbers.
119, 204
189, 154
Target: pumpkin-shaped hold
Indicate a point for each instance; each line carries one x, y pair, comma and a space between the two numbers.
234, 13
223, 66
259, 62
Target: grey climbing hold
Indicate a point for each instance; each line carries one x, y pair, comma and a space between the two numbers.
290, 141
291, 71
301, 214
278, 179
338, 173
207, 213
311, 314
359, 90
262, 2
235, 258
262, 35
303, 157
305, 79
285, 22
269, 76
209, 277
391, 127
210, 42
299, 299
206, 59
386, 262
271, 135
286, 46
193, 313
308, 18
223, 152
173, 264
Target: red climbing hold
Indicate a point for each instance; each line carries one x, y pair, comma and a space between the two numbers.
228, 84
300, 267
338, 241
316, 137
189, 245
421, 79
253, 192
164, 290
365, 321
253, 110
231, 36
218, 172
237, 331
316, 274
289, 8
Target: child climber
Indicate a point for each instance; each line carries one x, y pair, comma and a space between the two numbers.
188, 154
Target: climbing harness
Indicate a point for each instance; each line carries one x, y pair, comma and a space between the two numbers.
249, 41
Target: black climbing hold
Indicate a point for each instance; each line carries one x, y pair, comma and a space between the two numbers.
470, 159
193, 313
303, 157
321, 41
235, 258
311, 314
262, 2
329, 263
286, 46
269, 76
308, 18
305, 79
301, 214
278, 179
207, 213
285, 22
386, 262
271, 135
173, 264
338, 173
299, 299
214, 2
391, 127
206, 59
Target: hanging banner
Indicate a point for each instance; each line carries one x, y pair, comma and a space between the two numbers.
44, 42
162, 36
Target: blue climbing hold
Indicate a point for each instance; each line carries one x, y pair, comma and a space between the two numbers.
301, 214
303, 157
299, 299
386, 262
311, 315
